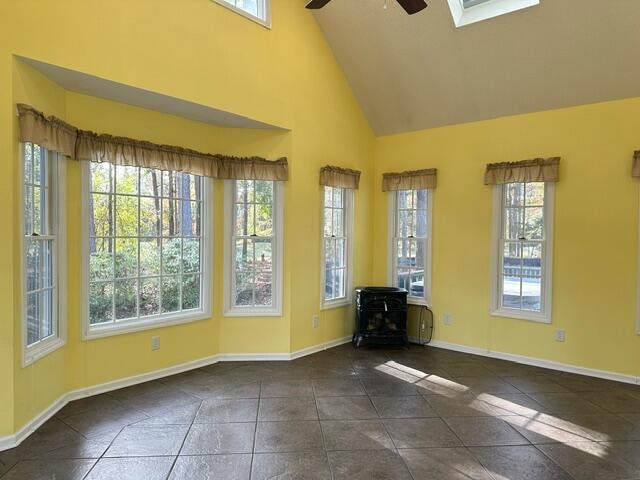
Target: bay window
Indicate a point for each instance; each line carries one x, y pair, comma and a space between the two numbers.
253, 248
147, 248
43, 252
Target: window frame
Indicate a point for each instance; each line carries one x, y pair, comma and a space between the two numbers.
266, 5
496, 308
277, 249
348, 198
34, 352
485, 10
90, 332
392, 256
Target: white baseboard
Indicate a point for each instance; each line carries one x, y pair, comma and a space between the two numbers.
12, 441
537, 362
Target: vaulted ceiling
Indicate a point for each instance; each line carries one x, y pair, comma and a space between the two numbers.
420, 71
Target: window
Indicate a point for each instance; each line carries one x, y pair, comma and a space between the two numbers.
257, 10
411, 243
43, 257
465, 12
147, 236
336, 246
253, 248
522, 237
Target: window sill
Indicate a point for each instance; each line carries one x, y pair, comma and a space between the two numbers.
340, 303
97, 331
33, 354
252, 312
521, 315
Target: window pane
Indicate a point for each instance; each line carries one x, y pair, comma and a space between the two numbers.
191, 255
100, 302
170, 294
32, 264
263, 289
28, 210
101, 177
190, 292
263, 255
328, 284
514, 194
126, 180
328, 196
531, 276
149, 257
264, 191
244, 254
149, 217
264, 220
171, 217
47, 264
339, 279
101, 215
47, 315
171, 255
534, 223
535, 194
328, 222
190, 218
33, 318
512, 275
338, 222
126, 292
340, 252
126, 258
244, 288
149, 296
513, 218
403, 280
126, 214
150, 182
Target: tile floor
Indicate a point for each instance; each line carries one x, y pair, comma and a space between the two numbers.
423, 413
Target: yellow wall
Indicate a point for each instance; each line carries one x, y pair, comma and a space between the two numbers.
595, 238
204, 53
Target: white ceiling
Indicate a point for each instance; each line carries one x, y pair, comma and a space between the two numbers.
416, 72
99, 87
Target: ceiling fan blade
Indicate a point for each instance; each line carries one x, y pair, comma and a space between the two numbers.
412, 6
315, 4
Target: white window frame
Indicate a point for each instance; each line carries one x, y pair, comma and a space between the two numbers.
90, 332
34, 352
264, 6
348, 236
392, 255
496, 309
485, 10
277, 249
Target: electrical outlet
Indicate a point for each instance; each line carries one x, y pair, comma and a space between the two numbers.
447, 319
315, 321
560, 335
155, 343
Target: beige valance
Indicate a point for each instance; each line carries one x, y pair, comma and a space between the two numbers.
635, 171
535, 170
83, 145
331, 176
409, 180
49, 132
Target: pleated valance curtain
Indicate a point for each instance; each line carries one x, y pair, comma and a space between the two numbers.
331, 176
409, 180
635, 171
535, 170
56, 135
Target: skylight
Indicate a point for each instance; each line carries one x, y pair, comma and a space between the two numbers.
465, 12
256, 10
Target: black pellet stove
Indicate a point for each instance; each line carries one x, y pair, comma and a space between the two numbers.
381, 316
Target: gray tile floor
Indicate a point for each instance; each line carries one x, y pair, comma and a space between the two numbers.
422, 413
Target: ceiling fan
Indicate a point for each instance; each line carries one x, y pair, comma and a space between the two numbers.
410, 6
